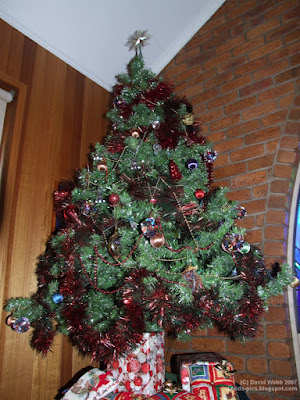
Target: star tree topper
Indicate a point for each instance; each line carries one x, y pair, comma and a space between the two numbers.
137, 40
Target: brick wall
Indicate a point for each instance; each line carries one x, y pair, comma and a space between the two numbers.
240, 72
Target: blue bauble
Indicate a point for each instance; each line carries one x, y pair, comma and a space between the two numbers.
21, 325
192, 163
57, 298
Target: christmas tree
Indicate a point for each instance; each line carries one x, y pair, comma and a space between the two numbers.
144, 241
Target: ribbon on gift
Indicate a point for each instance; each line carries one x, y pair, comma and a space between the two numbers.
226, 367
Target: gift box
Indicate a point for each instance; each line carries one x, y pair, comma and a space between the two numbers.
207, 375
142, 371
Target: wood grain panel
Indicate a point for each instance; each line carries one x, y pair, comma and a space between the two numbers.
57, 114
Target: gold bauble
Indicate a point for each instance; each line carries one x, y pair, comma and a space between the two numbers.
135, 133
188, 119
157, 241
102, 166
295, 283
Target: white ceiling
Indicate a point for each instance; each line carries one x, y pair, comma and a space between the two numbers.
90, 35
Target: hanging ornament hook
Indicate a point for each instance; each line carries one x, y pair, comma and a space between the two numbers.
137, 40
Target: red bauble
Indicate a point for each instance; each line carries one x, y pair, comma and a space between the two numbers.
174, 171
114, 199
199, 194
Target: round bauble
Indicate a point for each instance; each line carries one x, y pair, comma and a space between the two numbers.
192, 163
295, 283
188, 119
157, 241
114, 245
199, 194
10, 320
233, 242
210, 156
57, 298
135, 133
21, 325
114, 199
102, 166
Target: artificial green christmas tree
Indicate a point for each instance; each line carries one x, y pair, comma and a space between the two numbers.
145, 242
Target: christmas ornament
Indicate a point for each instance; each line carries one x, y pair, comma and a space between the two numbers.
199, 194
99, 198
157, 241
156, 148
88, 208
188, 119
245, 248
232, 242
114, 245
135, 166
175, 173
210, 156
295, 283
135, 133
153, 200
102, 166
21, 325
113, 199
241, 212
10, 320
192, 163
155, 124
149, 228
57, 298
137, 40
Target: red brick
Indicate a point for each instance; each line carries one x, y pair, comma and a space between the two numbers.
246, 223
295, 114
189, 73
177, 344
271, 70
277, 201
279, 350
215, 138
276, 314
256, 87
219, 79
240, 130
232, 64
274, 249
286, 101
265, 49
263, 28
280, 9
281, 368
240, 105
252, 66
259, 110
272, 146
206, 95
239, 195
197, 40
261, 162
250, 179
277, 300
260, 220
292, 37
202, 78
238, 362
254, 236
236, 83
228, 145
286, 157
248, 46
214, 345
263, 135
292, 73
292, 128
283, 171
276, 331
229, 170
282, 30
257, 365
260, 191
276, 217
214, 42
275, 232
212, 23
280, 186
194, 90
295, 60
175, 70
230, 44
221, 100
247, 152
253, 348
289, 142
212, 115
225, 122
292, 14
255, 206
275, 118
215, 61
200, 58
276, 91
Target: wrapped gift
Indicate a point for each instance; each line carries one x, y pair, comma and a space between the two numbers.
207, 375
142, 371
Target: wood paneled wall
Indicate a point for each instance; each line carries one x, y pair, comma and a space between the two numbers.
55, 117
